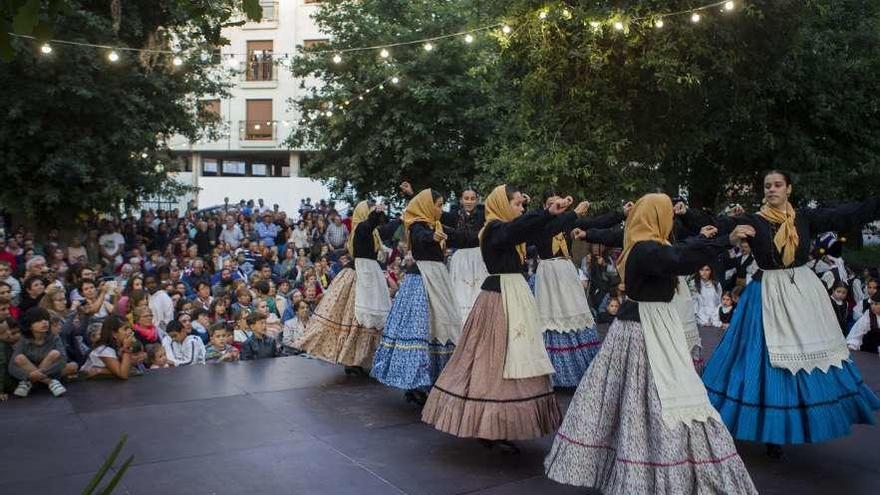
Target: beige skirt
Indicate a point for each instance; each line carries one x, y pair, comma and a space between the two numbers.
472, 399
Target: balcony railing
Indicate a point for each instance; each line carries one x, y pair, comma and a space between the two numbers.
257, 130
260, 69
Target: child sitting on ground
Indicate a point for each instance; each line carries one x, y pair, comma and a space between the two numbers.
260, 345
725, 311
183, 349
39, 356
9, 335
219, 350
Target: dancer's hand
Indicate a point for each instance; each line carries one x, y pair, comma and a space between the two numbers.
741, 232
578, 234
709, 231
440, 236
628, 208
582, 208
736, 211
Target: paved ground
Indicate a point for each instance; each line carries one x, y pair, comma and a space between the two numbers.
298, 426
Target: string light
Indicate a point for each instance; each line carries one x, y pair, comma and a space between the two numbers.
618, 25
337, 59
329, 113
429, 47
730, 5
469, 39
695, 18
658, 23
144, 155
177, 61
542, 15
46, 49
595, 25
113, 56
384, 53
395, 80
506, 29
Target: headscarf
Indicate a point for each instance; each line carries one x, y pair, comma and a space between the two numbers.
361, 214
649, 220
786, 239
498, 208
421, 209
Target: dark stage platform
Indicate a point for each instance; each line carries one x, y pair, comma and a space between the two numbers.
299, 426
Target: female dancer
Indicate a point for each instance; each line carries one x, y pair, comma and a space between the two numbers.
466, 267
782, 373
640, 422
496, 387
563, 312
424, 323
348, 321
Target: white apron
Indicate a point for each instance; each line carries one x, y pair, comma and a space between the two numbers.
562, 302
442, 307
682, 393
800, 328
684, 303
372, 303
526, 355
467, 271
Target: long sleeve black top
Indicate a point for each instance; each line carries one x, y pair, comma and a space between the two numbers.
499, 244
363, 236
543, 239
809, 222
466, 227
423, 245
652, 269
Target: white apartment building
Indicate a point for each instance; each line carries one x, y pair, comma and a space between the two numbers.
249, 159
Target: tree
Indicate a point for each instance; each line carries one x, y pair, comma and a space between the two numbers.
82, 133
706, 106
427, 127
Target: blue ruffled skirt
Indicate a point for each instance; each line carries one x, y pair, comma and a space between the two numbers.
765, 404
571, 354
407, 357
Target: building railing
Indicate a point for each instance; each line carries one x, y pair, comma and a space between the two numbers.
257, 130
260, 68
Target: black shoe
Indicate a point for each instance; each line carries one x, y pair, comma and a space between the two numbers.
507, 447
775, 451
416, 397
355, 371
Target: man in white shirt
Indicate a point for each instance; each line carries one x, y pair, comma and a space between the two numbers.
160, 303
183, 349
112, 244
231, 233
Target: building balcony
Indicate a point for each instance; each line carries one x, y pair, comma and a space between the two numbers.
258, 133
260, 73
271, 13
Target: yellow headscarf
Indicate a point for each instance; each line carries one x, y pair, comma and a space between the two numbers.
361, 213
421, 209
498, 208
649, 220
786, 239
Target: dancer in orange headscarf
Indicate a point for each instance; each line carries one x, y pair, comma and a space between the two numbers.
424, 324
640, 421
497, 385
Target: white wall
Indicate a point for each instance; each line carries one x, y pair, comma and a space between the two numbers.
286, 191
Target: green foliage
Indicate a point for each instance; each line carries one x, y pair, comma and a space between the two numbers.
105, 468
426, 129
602, 113
81, 133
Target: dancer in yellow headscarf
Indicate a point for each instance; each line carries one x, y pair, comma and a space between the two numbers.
424, 323
349, 319
804, 388
644, 379
497, 385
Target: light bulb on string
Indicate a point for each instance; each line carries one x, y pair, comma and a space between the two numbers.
695, 18
144, 155
595, 25
395, 80
506, 29
618, 25
384, 53
542, 15
347, 103
468, 39
658, 23
428, 47
337, 59
361, 98
729, 5
113, 56
177, 61
329, 113
381, 86
46, 49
